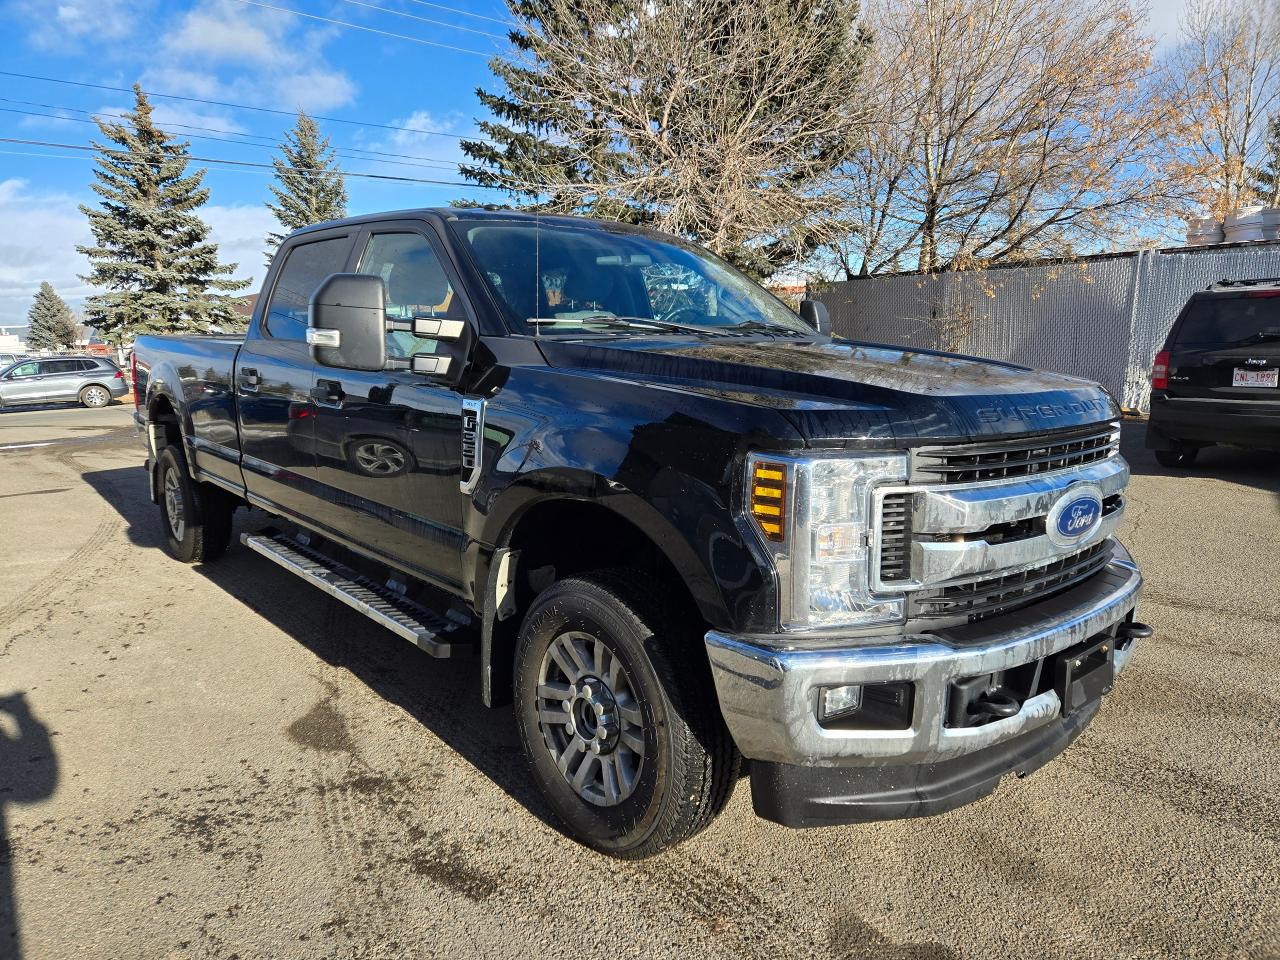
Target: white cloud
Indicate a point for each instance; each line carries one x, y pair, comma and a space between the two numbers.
1162, 20
69, 23
277, 59
38, 243
42, 230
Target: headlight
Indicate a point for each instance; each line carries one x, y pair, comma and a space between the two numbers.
815, 515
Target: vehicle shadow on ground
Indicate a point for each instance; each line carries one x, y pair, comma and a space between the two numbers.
442, 695
28, 772
1251, 468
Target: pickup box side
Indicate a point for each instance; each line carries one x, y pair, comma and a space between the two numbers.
192, 379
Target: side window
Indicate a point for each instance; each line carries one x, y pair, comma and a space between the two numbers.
416, 286
88, 365
59, 366
25, 370
306, 268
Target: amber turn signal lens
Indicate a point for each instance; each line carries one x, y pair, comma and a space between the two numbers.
768, 498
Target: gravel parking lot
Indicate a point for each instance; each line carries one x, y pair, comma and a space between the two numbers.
221, 762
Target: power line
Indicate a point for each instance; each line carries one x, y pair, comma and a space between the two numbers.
465, 13
123, 156
435, 163
356, 26
438, 23
241, 106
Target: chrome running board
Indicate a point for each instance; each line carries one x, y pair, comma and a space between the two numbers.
383, 606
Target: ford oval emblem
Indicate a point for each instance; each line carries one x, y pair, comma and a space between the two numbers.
1079, 517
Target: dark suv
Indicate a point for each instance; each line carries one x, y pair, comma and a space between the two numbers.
1217, 378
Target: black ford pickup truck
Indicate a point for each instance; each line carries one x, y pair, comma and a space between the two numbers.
676, 524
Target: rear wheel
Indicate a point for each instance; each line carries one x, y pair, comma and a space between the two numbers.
1183, 457
95, 396
618, 716
196, 516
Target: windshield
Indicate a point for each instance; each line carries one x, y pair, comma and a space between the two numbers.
1220, 321
555, 279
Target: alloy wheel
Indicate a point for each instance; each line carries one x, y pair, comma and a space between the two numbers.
589, 718
173, 505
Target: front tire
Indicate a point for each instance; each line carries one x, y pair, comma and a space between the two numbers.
1183, 457
196, 517
95, 396
618, 716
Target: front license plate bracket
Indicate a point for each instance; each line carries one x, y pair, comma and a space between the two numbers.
1084, 673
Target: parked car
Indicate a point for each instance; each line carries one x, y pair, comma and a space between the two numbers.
93, 381
8, 358
1217, 377
678, 524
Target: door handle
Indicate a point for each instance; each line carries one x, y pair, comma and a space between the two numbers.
328, 392
249, 380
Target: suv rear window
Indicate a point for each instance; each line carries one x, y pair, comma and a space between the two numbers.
1229, 320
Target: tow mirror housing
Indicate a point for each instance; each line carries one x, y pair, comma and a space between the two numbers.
814, 313
347, 322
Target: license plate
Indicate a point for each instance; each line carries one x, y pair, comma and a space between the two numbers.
1255, 378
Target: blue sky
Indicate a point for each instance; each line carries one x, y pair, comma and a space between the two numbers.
239, 52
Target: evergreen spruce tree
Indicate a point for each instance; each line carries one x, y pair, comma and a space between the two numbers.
310, 186
1267, 177
152, 257
50, 323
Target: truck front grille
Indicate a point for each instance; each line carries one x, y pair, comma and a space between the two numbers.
996, 460
894, 529
1000, 594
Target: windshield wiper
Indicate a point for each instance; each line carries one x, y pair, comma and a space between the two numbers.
759, 326
629, 323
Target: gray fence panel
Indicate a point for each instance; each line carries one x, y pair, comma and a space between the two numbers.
1100, 317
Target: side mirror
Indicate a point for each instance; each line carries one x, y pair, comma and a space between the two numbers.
814, 313
347, 324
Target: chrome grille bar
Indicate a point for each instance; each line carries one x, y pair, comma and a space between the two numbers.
966, 463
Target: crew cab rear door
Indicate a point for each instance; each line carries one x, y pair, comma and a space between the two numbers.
1227, 347
273, 378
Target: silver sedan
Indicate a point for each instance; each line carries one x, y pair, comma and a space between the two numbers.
93, 381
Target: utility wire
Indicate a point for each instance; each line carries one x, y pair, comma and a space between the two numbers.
465, 13
123, 156
435, 163
241, 106
356, 26
438, 23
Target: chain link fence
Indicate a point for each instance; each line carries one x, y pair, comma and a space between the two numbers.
1099, 317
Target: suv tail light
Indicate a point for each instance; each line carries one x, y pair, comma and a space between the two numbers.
119, 375
133, 375
1160, 371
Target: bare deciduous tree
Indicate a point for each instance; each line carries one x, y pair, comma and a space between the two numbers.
1227, 68
1003, 129
714, 119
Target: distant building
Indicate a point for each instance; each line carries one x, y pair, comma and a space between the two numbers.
13, 339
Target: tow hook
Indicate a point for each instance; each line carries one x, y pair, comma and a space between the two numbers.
997, 704
1133, 631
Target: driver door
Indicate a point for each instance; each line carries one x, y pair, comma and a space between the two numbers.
389, 443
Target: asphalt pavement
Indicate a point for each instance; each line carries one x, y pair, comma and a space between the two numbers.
218, 761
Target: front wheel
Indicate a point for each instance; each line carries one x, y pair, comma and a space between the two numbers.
196, 517
95, 396
618, 717
1183, 457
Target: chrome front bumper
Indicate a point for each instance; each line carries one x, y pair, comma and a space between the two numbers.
769, 697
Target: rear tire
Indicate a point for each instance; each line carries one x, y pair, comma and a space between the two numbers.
196, 516
95, 396
618, 716
1184, 457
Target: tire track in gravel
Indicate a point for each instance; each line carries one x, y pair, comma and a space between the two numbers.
46, 589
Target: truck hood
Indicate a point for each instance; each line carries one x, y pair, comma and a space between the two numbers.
838, 391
